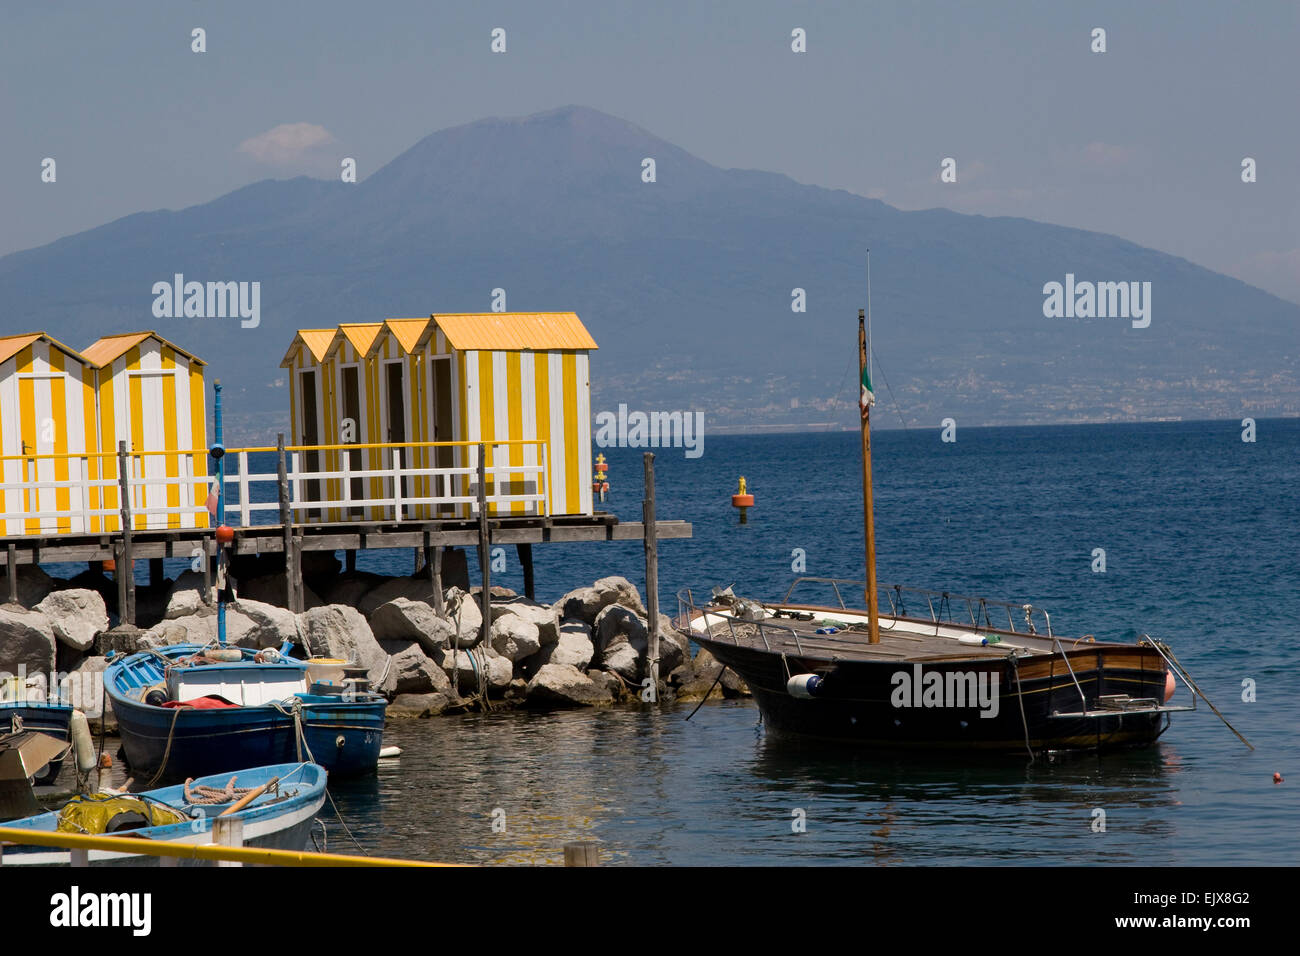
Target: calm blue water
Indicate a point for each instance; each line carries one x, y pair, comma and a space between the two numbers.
1200, 532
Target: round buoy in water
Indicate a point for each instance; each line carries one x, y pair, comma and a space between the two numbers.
803, 685
1170, 685
1277, 777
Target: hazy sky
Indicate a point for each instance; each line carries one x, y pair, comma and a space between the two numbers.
1145, 140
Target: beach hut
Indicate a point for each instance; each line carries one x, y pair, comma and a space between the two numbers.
47, 409
150, 393
516, 381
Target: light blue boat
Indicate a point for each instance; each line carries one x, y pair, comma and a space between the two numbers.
281, 818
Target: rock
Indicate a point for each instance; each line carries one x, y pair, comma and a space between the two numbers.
350, 587
417, 705
539, 615
565, 686
587, 603
624, 660
202, 629
187, 597
33, 585
517, 690
574, 647
125, 639
414, 588
338, 631
464, 612
673, 647
75, 616
608, 682
404, 619
27, 644
515, 638
411, 671
269, 589
271, 625
464, 670
83, 688
617, 624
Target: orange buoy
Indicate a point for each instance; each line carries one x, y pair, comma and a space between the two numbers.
225, 534
741, 499
1277, 777
1170, 685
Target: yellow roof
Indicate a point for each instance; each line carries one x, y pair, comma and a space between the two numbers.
109, 348
11, 345
407, 331
317, 342
514, 331
360, 334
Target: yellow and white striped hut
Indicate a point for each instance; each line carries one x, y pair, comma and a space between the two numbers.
47, 411
516, 381
150, 394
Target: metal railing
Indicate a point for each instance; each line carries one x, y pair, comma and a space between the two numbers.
396, 495
87, 500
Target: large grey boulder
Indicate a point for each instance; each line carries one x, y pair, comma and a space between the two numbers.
33, 585
622, 639
539, 615
341, 632
404, 619
464, 666
413, 588
27, 643
411, 671
187, 597
562, 685
625, 661
76, 616
465, 614
573, 647
587, 603
617, 624
515, 638
271, 625
83, 688
202, 629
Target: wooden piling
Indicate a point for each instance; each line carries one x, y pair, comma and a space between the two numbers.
125, 570
155, 572
581, 854
350, 560
433, 563
484, 551
299, 593
651, 570
286, 524
11, 571
525, 551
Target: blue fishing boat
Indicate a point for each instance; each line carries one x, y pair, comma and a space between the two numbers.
47, 717
279, 804
190, 710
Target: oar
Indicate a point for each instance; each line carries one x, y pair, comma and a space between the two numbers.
249, 797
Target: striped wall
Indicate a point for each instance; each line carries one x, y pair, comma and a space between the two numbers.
153, 398
47, 407
496, 396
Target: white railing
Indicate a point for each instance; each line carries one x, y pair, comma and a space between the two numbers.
451, 486
37, 491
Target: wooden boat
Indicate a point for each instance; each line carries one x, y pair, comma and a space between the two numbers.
52, 717
280, 817
182, 713
938, 671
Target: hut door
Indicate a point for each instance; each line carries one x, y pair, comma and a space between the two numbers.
444, 457
310, 436
352, 410
39, 430
395, 401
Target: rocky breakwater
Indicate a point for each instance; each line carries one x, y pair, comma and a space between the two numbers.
589, 648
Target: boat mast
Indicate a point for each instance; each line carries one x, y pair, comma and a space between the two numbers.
868, 518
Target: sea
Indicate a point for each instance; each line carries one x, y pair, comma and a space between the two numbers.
1180, 530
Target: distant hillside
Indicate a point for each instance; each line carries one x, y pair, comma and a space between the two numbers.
685, 283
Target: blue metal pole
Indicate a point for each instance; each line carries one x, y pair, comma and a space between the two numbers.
218, 452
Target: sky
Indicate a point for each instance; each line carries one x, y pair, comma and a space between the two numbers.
1145, 140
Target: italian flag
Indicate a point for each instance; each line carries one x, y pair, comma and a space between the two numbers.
868, 396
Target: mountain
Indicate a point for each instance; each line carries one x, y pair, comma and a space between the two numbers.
685, 283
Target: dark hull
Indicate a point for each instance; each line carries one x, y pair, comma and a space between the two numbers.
51, 719
861, 701
205, 742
